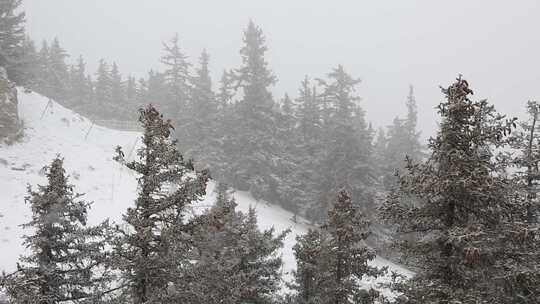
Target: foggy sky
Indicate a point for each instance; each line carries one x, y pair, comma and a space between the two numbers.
388, 44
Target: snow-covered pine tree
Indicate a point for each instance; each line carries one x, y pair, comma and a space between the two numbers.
29, 63
68, 260
226, 89
131, 92
347, 229
464, 218
346, 158
403, 141
307, 152
177, 77
59, 77
152, 249
526, 141
287, 170
10, 123
523, 271
309, 112
43, 77
414, 148
309, 253
102, 91
258, 261
156, 91
235, 262
252, 144
118, 93
80, 91
394, 155
332, 261
198, 126
12, 38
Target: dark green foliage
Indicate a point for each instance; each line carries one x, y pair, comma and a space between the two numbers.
468, 237
152, 249
59, 80
346, 154
402, 140
68, 259
81, 89
309, 267
177, 77
200, 122
12, 39
235, 261
331, 262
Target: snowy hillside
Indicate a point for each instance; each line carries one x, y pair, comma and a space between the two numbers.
88, 152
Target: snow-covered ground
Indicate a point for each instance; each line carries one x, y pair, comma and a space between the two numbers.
88, 152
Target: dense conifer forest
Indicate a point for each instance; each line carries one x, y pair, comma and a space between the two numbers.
460, 210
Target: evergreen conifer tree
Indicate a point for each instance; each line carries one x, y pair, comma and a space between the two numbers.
103, 91
59, 84
152, 251
12, 38
177, 77
465, 218
68, 259
332, 262
255, 144
235, 261
80, 89
309, 253
118, 97
347, 145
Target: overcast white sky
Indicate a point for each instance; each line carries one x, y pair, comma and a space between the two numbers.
388, 44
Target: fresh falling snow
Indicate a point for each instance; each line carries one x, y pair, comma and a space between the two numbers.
88, 150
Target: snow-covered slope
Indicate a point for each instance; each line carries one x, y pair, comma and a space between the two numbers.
88, 151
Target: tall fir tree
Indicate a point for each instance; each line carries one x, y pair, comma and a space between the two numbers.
235, 262
29, 66
68, 260
131, 89
198, 133
152, 251
79, 86
59, 84
309, 252
403, 142
44, 78
413, 148
347, 145
332, 262
118, 97
177, 77
254, 143
526, 141
102, 91
12, 36
468, 239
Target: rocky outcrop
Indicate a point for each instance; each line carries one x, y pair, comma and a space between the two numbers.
10, 125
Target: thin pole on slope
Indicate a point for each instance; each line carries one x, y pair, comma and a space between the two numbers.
112, 189
92, 125
49, 103
133, 148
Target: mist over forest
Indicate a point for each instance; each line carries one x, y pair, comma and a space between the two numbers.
269, 152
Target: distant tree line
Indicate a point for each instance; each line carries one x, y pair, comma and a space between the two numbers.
294, 152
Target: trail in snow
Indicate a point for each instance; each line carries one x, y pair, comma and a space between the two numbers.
88, 152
